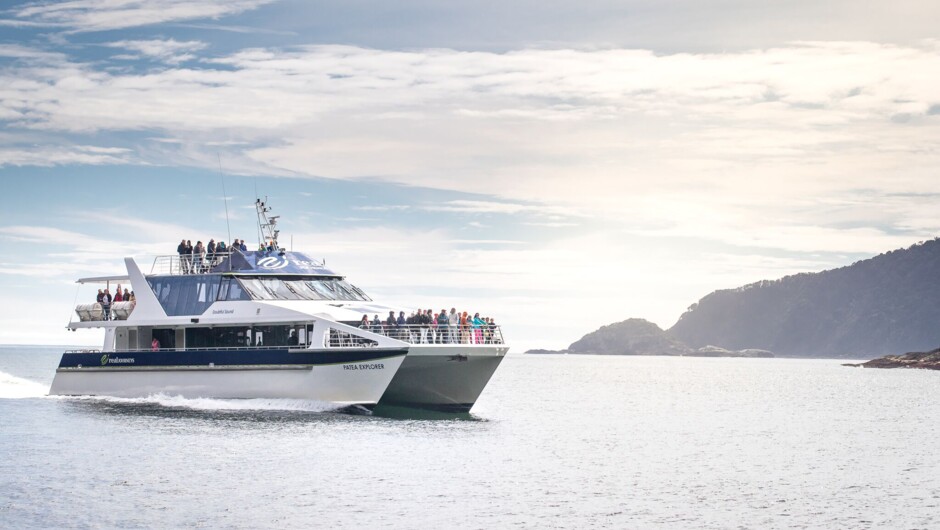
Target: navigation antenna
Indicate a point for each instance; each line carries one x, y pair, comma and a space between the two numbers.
228, 227
267, 225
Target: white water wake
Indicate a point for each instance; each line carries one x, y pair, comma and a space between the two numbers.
13, 387
212, 404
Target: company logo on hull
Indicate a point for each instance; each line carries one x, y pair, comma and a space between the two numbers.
106, 359
271, 262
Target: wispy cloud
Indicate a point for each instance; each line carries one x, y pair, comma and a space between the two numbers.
50, 155
169, 51
744, 147
383, 207
101, 15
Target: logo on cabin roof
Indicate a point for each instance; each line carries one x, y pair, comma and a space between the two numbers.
272, 262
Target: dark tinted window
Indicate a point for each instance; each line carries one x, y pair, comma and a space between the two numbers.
185, 295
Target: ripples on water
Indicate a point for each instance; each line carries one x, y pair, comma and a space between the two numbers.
555, 441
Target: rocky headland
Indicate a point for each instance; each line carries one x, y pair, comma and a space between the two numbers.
929, 360
636, 336
876, 306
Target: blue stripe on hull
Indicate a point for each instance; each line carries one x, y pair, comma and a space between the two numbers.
269, 357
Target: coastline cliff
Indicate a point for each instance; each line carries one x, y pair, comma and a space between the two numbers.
878, 306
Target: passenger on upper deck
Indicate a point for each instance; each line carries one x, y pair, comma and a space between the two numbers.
106, 304
452, 320
376, 325
442, 326
127, 296
464, 328
118, 295
181, 250
189, 254
199, 255
477, 324
242, 246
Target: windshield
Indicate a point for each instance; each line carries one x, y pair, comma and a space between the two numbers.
302, 289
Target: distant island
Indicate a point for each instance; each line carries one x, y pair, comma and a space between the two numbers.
636, 336
875, 307
929, 360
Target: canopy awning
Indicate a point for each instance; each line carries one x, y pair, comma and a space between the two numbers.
105, 279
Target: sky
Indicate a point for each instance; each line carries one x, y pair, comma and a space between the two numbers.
557, 165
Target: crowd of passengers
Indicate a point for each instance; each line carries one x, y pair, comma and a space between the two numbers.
105, 299
200, 258
428, 327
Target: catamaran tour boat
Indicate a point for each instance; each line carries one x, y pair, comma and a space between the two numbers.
269, 324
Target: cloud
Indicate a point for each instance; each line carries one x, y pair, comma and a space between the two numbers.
15, 51
746, 148
493, 207
383, 207
102, 15
169, 51
47, 155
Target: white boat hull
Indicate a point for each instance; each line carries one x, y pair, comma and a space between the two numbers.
361, 382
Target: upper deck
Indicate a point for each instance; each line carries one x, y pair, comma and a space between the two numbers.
258, 262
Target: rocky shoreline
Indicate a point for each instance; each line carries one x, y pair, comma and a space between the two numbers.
636, 336
708, 351
929, 360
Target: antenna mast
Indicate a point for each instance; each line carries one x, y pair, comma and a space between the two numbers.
228, 226
267, 224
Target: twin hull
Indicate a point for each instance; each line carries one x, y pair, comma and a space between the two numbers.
445, 378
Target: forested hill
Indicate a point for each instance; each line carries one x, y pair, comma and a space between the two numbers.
883, 305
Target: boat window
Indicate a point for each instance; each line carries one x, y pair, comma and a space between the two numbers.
218, 337
305, 291
257, 290
300, 289
338, 290
280, 289
231, 289
184, 295
324, 289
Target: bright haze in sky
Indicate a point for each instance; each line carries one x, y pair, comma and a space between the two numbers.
556, 165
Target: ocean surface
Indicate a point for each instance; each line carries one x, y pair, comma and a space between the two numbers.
554, 442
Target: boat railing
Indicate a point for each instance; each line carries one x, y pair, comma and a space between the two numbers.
179, 264
218, 348
426, 334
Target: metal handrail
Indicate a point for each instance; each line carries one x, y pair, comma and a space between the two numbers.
428, 334
179, 264
204, 348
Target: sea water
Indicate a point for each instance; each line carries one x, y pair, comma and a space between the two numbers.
554, 442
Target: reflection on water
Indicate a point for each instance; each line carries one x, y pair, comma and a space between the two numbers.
161, 409
405, 413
